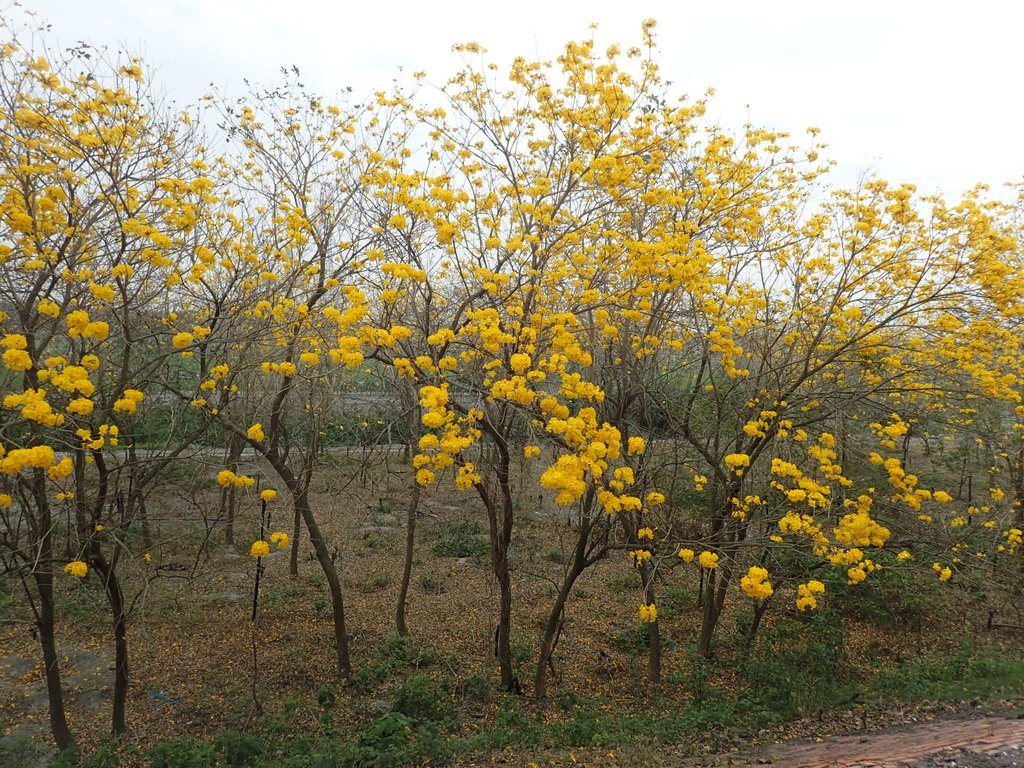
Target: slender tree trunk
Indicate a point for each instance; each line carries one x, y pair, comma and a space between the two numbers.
582, 557
410, 545
755, 624
410, 405
54, 688
653, 629
228, 496
46, 615
551, 631
714, 602
115, 597
509, 681
501, 536
709, 620
293, 556
323, 556
500, 519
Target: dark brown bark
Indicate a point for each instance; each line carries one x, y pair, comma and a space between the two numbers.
500, 518
410, 545
229, 496
589, 549
323, 556
552, 629
653, 628
755, 625
54, 688
46, 616
293, 556
115, 597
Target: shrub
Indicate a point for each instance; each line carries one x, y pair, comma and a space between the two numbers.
420, 698
460, 538
183, 752
239, 750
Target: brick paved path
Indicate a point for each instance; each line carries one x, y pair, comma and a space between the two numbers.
890, 749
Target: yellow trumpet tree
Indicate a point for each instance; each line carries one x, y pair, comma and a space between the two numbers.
99, 192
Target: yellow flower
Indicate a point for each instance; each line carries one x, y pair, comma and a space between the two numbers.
81, 406
259, 548
48, 308
708, 560
255, 432
635, 446
268, 494
182, 340
17, 359
531, 451
755, 584
737, 462
77, 568
649, 613
125, 405
686, 555
147, 557
61, 469
14, 341
806, 600
645, 533
280, 538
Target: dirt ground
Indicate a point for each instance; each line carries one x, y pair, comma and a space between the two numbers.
199, 665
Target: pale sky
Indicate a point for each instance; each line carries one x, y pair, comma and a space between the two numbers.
920, 92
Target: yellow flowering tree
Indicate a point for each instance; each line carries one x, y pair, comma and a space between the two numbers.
89, 238
277, 292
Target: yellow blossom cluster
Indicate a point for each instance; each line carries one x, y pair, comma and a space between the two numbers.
34, 407
756, 584
77, 568
228, 479
806, 595
129, 402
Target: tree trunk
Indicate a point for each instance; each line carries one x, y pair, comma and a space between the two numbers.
501, 536
115, 597
293, 557
551, 632
46, 615
410, 545
581, 559
323, 556
54, 688
228, 496
509, 681
709, 620
755, 624
714, 601
653, 629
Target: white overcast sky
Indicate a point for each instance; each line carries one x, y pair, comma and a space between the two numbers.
922, 92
